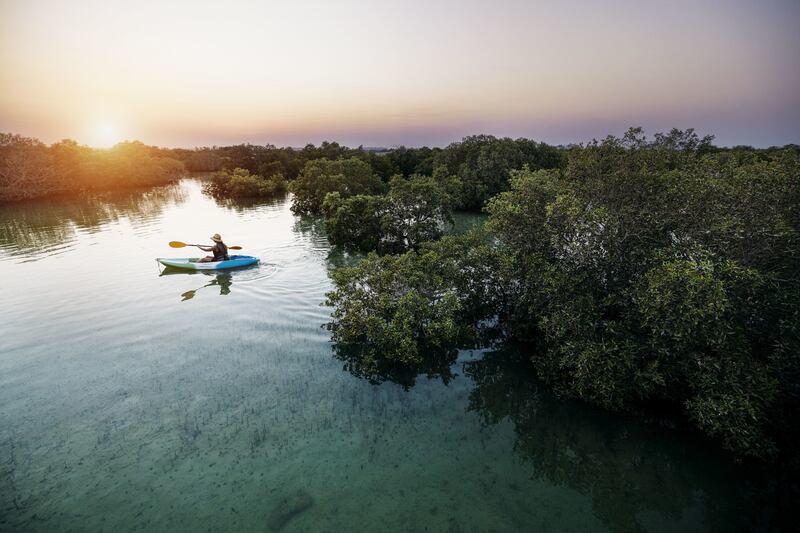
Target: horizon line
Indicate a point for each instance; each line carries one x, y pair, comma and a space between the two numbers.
388, 147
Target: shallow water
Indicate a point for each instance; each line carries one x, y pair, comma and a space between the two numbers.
131, 400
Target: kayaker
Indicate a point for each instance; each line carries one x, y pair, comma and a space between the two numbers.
219, 250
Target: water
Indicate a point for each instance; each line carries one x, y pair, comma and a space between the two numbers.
131, 400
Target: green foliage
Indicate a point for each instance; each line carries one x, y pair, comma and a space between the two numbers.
268, 159
355, 222
695, 315
402, 161
241, 184
414, 211
348, 177
476, 271
483, 164
395, 317
644, 273
204, 160
417, 211
650, 272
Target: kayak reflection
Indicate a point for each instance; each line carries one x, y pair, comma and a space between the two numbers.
223, 280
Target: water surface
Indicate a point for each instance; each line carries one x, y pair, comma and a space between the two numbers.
131, 400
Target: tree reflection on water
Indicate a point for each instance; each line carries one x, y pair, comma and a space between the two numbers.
41, 225
362, 361
639, 477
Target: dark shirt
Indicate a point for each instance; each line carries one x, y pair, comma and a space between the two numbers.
220, 252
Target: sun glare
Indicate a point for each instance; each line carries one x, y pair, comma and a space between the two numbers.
104, 135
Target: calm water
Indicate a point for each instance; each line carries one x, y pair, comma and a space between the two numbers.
131, 400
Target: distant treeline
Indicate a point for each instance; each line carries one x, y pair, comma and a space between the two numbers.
31, 169
481, 164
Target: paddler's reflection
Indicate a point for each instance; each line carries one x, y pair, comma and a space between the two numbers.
224, 280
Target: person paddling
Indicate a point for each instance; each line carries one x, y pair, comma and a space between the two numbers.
219, 250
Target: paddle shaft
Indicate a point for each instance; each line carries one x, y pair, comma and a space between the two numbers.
179, 244
229, 247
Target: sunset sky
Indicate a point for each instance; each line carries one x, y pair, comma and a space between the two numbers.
407, 72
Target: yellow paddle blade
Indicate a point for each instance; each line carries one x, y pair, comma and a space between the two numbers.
234, 247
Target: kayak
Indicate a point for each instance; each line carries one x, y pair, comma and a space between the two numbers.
190, 263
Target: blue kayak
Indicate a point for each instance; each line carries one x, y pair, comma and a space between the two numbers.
191, 263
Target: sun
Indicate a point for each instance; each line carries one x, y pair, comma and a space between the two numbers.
104, 135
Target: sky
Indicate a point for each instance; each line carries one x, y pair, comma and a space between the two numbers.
410, 72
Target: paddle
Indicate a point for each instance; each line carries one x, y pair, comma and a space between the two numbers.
179, 244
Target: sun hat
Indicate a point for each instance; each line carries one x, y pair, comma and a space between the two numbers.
216, 238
